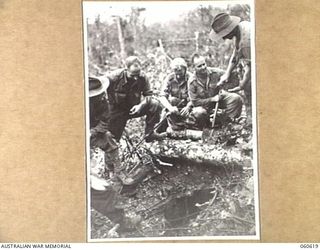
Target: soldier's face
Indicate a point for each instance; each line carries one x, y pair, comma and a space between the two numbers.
180, 71
231, 34
134, 70
200, 65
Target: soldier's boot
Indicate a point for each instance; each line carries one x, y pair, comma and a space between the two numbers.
125, 179
120, 188
112, 161
154, 136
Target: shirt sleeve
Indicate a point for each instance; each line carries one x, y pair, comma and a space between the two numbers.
166, 88
102, 126
113, 75
147, 91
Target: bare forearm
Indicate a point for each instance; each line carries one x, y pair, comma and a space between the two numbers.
246, 77
203, 102
165, 103
232, 63
243, 81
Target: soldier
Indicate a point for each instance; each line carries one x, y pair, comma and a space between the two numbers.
100, 136
231, 27
103, 192
174, 95
204, 93
124, 96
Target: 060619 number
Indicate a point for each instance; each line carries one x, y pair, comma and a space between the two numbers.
309, 245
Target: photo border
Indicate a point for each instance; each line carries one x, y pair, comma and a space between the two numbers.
255, 161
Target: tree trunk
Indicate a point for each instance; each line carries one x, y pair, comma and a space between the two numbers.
200, 153
121, 39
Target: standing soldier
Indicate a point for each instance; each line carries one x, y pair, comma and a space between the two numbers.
124, 96
100, 136
104, 193
231, 27
204, 93
174, 95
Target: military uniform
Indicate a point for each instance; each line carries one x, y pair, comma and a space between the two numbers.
243, 54
123, 94
104, 200
100, 136
200, 95
176, 93
104, 194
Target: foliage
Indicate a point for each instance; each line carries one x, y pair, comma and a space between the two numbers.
177, 36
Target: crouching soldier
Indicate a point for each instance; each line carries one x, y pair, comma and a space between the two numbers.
204, 93
124, 96
174, 95
100, 136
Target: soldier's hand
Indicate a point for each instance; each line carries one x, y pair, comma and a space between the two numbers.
216, 98
135, 110
174, 110
224, 78
185, 111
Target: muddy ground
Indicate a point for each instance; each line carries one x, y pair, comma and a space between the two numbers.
186, 198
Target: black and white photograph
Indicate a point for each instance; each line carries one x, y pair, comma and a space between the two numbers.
171, 123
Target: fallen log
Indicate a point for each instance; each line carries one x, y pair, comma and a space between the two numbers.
200, 153
172, 152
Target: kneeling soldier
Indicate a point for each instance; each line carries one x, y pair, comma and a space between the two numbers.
174, 95
204, 93
124, 96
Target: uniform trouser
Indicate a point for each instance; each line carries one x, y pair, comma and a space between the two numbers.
177, 121
118, 117
231, 103
104, 202
109, 145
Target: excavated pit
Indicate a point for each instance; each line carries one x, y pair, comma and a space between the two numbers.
192, 199
202, 191
179, 211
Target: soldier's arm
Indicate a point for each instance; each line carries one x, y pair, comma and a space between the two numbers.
113, 75
231, 65
244, 80
147, 91
232, 62
165, 93
102, 126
